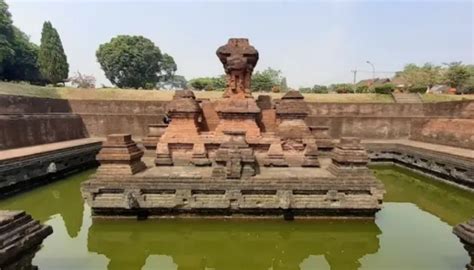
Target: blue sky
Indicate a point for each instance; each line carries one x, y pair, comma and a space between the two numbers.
310, 42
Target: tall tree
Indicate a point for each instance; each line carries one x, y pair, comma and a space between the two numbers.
51, 57
457, 75
6, 36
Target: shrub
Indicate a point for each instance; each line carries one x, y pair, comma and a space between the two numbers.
417, 89
469, 89
362, 89
384, 88
82, 81
341, 88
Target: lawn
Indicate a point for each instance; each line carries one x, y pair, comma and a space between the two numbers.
131, 94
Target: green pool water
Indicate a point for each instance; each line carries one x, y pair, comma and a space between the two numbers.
412, 231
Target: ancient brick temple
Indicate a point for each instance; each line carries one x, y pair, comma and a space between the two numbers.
235, 156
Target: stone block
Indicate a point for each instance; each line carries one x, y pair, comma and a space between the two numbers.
19, 234
120, 156
465, 233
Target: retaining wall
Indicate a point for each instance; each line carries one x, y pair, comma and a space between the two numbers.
50, 120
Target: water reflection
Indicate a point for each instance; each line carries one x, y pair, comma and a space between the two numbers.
214, 244
412, 231
452, 205
60, 198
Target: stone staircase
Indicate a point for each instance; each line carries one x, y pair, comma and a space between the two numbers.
407, 98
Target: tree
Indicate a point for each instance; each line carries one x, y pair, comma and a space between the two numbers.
266, 80
321, 89
135, 62
82, 81
283, 85
18, 56
208, 83
424, 76
175, 82
457, 75
6, 35
51, 57
168, 68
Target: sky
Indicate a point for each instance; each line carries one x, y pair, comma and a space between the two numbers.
311, 42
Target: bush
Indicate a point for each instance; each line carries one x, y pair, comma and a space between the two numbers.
469, 89
362, 89
320, 89
82, 81
417, 89
384, 88
341, 88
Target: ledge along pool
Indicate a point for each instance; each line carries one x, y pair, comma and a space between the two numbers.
412, 231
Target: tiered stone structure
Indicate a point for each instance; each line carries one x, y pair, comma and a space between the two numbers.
20, 236
323, 139
465, 232
349, 158
236, 156
155, 131
120, 156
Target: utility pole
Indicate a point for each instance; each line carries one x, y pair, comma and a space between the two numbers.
373, 70
355, 76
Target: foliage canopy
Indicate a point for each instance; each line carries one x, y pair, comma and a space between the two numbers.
51, 57
135, 62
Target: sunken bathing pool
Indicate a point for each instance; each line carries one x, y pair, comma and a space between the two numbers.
412, 231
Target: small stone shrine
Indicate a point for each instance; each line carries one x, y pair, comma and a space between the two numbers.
465, 232
235, 157
20, 237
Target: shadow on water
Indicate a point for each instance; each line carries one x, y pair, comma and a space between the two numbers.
412, 232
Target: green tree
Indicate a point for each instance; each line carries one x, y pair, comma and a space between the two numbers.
24, 65
134, 62
18, 56
51, 57
6, 36
283, 85
320, 89
265, 80
168, 68
175, 82
208, 83
421, 76
457, 75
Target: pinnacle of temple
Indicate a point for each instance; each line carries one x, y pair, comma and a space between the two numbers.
238, 109
239, 59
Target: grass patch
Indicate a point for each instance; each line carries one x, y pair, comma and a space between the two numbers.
21, 89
